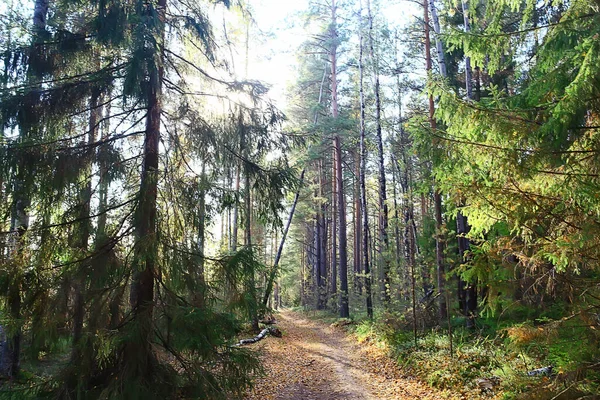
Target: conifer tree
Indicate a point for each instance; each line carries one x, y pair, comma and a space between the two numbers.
363, 242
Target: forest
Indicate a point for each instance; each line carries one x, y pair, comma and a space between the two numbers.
418, 180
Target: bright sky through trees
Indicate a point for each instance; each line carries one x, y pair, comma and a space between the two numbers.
281, 31
279, 34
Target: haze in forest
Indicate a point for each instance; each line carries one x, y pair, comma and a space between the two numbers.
362, 199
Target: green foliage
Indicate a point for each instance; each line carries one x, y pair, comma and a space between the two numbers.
74, 105
506, 351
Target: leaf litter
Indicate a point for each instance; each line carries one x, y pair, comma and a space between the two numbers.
314, 361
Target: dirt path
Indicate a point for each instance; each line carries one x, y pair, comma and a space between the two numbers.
314, 361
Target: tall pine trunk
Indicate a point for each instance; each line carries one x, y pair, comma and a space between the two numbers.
235, 223
322, 240
337, 145
410, 245
199, 286
363, 188
382, 195
334, 207
250, 279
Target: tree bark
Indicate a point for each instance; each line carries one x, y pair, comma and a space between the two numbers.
437, 198
337, 145
410, 247
101, 242
363, 189
142, 291
81, 244
397, 247
382, 195
317, 261
357, 219
199, 287
234, 235
333, 228
251, 283
468, 72
403, 180
323, 240
466, 290
274, 270
438, 42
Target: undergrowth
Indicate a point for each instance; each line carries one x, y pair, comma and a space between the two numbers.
493, 360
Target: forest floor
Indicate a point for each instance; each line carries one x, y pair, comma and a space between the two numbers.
316, 361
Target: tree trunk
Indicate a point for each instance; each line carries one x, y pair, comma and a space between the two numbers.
323, 240
357, 221
404, 287
333, 229
437, 198
410, 248
83, 236
466, 290
317, 262
273, 273
142, 290
251, 284
337, 145
199, 287
383, 207
396, 220
438, 42
103, 181
234, 235
363, 188
303, 262
318, 243
468, 72
102, 246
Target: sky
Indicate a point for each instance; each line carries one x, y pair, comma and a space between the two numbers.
282, 33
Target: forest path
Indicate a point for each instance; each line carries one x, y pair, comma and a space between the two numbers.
314, 361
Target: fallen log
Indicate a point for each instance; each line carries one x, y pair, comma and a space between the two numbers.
270, 330
546, 371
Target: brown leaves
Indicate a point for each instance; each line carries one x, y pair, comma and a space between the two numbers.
315, 361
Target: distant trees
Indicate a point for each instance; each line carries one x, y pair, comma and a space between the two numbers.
471, 153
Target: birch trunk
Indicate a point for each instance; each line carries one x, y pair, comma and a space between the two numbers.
437, 198
273, 273
466, 290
